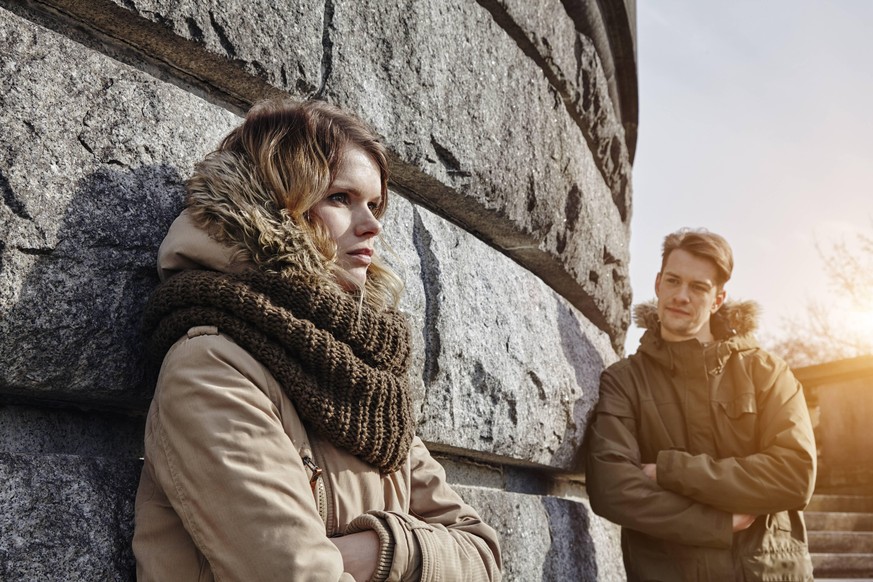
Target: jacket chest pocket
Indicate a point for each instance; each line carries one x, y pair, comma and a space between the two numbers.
737, 421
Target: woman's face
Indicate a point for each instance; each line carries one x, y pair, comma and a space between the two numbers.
347, 212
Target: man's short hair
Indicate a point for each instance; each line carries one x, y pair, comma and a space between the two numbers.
704, 244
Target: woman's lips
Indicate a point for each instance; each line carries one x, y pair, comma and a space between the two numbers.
362, 256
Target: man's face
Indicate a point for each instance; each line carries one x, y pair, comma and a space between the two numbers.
687, 297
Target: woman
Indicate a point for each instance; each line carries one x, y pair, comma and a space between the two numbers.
280, 442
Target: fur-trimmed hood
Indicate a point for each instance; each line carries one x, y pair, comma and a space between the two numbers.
733, 318
732, 325
232, 223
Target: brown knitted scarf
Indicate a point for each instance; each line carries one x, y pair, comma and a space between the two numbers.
341, 364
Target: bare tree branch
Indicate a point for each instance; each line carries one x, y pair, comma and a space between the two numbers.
818, 335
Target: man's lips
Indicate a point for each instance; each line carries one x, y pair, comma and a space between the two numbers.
676, 311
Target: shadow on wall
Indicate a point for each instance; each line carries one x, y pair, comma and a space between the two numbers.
73, 334
588, 363
72, 339
573, 551
571, 555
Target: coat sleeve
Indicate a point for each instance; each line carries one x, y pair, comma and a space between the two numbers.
778, 477
218, 449
620, 492
441, 538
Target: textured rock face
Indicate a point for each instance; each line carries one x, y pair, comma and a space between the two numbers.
545, 538
91, 167
516, 171
66, 517
505, 126
250, 33
510, 368
569, 60
508, 223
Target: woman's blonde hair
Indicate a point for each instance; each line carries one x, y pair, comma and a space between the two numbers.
294, 150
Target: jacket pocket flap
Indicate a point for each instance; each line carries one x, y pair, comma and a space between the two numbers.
742, 404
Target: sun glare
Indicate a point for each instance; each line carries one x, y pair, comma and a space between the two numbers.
857, 323
861, 322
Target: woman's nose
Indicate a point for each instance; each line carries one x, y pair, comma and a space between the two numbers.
368, 224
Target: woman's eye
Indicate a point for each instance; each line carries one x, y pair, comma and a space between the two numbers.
339, 198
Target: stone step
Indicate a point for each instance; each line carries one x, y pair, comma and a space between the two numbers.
836, 542
834, 521
842, 566
841, 503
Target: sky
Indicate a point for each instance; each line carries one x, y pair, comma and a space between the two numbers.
756, 122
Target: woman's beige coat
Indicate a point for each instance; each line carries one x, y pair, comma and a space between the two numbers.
225, 492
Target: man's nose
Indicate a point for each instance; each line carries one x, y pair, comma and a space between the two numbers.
682, 294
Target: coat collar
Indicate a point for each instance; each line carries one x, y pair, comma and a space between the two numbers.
732, 326
734, 318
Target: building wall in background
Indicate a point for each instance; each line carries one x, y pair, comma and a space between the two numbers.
511, 126
840, 399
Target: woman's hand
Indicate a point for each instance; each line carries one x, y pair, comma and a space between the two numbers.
360, 553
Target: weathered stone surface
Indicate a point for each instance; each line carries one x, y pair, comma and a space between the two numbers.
90, 169
502, 366
611, 26
570, 61
279, 42
509, 162
483, 131
78, 265
510, 368
549, 539
66, 517
70, 432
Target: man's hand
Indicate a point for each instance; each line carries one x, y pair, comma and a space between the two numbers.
742, 521
360, 553
650, 470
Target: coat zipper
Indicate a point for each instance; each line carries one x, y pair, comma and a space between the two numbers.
316, 483
328, 515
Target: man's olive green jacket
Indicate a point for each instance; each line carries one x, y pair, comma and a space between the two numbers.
729, 430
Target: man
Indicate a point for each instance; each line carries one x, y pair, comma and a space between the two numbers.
701, 447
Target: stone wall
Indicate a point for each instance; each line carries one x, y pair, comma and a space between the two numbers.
511, 126
840, 399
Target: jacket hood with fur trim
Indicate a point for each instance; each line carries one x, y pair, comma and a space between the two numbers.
733, 318
232, 223
732, 325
